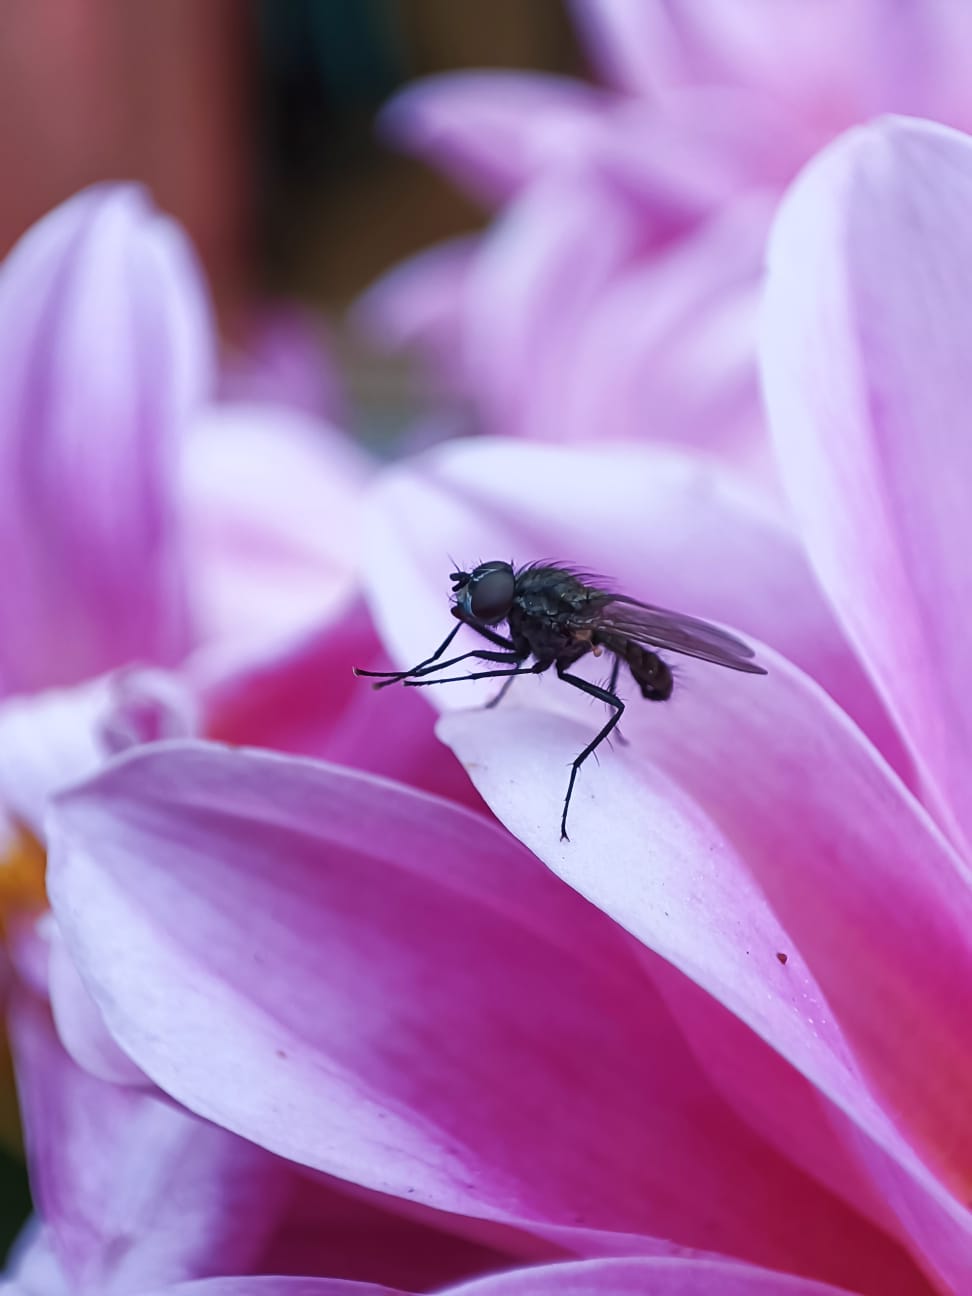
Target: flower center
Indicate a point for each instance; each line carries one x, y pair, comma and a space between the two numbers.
22, 866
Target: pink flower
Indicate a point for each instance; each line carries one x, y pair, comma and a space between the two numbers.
731, 1054
614, 295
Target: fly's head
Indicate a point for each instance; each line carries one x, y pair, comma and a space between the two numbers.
484, 595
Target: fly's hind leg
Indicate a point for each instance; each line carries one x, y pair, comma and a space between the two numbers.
612, 688
592, 690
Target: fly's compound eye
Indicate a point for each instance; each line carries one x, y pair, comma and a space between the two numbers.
491, 596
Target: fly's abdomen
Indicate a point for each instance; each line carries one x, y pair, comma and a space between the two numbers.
650, 673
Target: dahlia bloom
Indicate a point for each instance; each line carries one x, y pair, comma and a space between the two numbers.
718, 1042
615, 293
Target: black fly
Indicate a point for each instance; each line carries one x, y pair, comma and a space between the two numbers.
556, 616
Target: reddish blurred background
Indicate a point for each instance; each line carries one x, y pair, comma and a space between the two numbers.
252, 123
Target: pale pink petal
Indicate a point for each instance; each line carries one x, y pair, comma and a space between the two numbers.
747, 820
491, 131
80, 1025
33, 1268
671, 527
405, 991
53, 738
661, 1277
134, 1191
866, 339
271, 500
105, 340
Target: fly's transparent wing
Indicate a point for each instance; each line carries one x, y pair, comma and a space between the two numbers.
658, 628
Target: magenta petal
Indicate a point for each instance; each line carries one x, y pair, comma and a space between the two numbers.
106, 344
867, 334
490, 131
267, 1285
404, 991
134, 1191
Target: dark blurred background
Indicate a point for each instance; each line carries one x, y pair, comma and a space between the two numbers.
254, 125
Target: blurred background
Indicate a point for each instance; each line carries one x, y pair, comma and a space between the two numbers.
253, 124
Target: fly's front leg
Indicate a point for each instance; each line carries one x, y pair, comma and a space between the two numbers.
592, 690
432, 663
535, 669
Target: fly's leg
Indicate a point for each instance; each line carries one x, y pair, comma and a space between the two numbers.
495, 701
592, 690
535, 669
423, 668
612, 688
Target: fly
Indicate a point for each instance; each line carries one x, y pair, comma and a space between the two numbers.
556, 615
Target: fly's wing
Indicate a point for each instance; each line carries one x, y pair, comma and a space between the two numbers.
658, 628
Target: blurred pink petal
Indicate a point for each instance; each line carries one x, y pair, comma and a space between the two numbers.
105, 339
489, 131
666, 352
284, 359
271, 517
673, 527
537, 274
133, 1191
830, 61
866, 344
315, 930
418, 304
305, 702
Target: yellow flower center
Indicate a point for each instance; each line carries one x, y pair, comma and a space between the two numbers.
22, 891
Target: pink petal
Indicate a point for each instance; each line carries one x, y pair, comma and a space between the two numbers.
105, 337
490, 131
134, 1191
284, 358
32, 1266
417, 306
671, 527
271, 502
53, 738
806, 846
404, 991
867, 334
